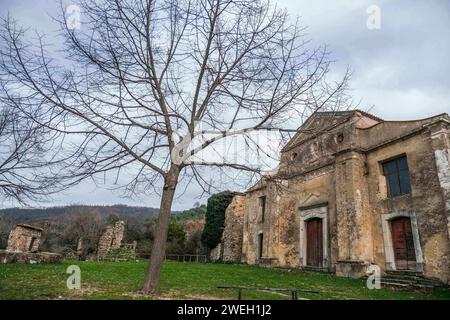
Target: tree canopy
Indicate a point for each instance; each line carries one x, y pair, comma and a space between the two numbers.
215, 218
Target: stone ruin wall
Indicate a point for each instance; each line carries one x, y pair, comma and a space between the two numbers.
23, 247
111, 239
216, 253
109, 247
21, 238
233, 232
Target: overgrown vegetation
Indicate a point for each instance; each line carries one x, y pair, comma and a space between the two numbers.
196, 213
121, 280
65, 225
215, 218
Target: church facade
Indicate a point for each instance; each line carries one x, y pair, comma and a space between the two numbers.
352, 191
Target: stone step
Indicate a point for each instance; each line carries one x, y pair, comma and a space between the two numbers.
394, 284
411, 282
405, 285
417, 279
390, 280
407, 273
314, 269
404, 273
408, 279
405, 278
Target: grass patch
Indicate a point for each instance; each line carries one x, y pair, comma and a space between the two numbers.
121, 280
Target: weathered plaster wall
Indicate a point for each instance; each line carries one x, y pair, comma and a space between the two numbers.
440, 141
281, 227
354, 228
425, 201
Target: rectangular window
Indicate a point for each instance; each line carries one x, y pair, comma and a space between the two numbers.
262, 203
397, 176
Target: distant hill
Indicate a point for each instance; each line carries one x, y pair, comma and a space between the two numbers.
191, 214
29, 215
25, 215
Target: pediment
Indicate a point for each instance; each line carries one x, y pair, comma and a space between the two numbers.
320, 122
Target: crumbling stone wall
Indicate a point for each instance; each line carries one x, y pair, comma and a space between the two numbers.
24, 238
216, 253
111, 239
80, 248
30, 257
232, 234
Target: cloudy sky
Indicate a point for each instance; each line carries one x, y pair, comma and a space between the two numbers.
400, 63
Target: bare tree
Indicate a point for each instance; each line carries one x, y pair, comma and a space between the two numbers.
150, 87
24, 157
85, 224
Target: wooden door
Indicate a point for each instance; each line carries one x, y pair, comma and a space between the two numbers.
403, 242
314, 242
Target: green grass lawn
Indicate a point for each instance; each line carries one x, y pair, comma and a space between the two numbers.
121, 280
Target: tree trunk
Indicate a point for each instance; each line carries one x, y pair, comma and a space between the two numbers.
152, 276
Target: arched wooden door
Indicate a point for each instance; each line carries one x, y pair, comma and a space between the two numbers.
314, 242
403, 243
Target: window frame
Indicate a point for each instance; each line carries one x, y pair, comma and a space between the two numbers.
397, 174
263, 204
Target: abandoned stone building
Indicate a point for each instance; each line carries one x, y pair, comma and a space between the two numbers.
23, 247
24, 238
351, 191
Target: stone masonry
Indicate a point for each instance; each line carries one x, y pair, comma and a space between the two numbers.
231, 237
111, 239
24, 238
23, 247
